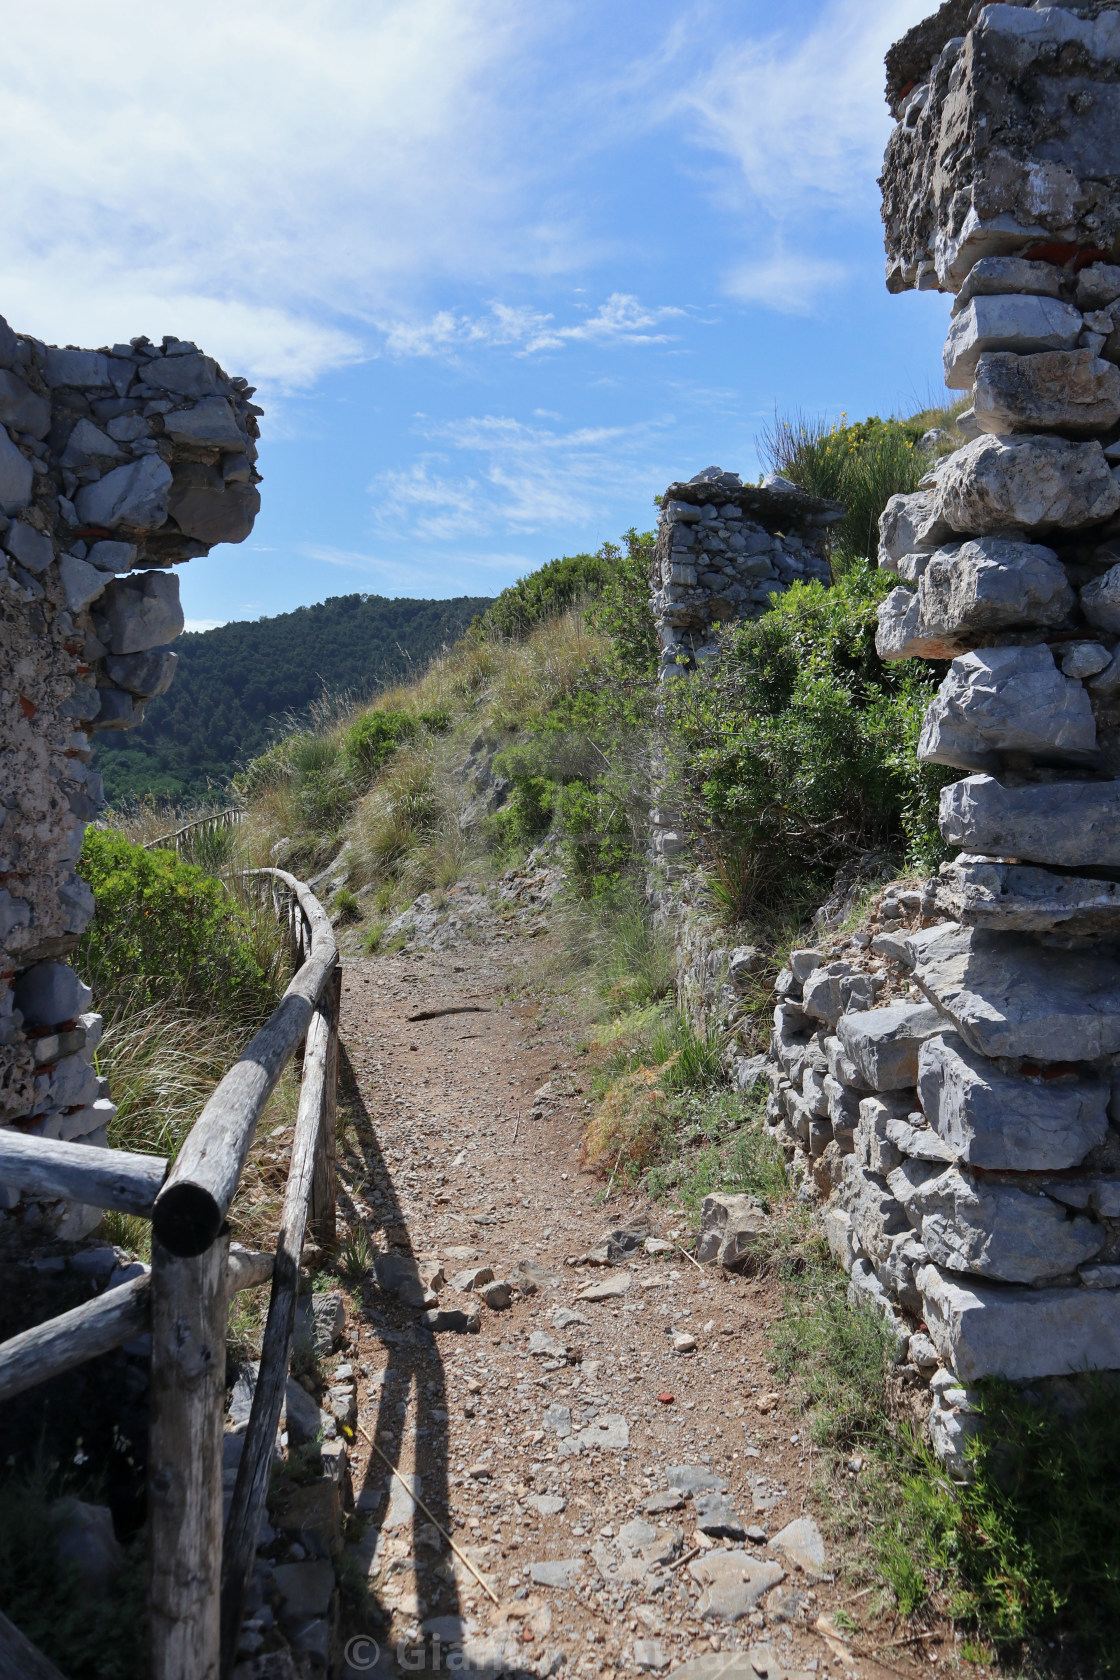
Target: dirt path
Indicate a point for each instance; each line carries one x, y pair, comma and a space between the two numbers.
550, 1440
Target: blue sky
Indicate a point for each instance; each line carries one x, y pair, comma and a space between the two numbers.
500, 271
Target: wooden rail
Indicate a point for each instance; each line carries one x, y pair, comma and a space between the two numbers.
197, 1577
209, 824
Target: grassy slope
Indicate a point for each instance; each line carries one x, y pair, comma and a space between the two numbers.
234, 685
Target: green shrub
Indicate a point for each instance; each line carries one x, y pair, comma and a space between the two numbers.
1029, 1548
861, 465
800, 745
598, 839
623, 610
542, 594
163, 932
527, 813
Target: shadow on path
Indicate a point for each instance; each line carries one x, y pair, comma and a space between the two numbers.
422, 1583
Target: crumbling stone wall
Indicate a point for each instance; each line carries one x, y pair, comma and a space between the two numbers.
954, 1074
116, 465
724, 550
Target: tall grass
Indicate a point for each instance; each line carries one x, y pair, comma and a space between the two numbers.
861, 465
1023, 1555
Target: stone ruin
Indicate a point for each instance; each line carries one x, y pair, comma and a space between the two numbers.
115, 466
957, 1085
724, 550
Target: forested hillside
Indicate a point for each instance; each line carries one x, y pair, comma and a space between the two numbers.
234, 683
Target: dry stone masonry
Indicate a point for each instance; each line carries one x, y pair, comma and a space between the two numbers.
724, 550
954, 1077
116, 465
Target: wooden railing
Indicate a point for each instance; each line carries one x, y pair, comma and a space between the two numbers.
209, 824
198, 1577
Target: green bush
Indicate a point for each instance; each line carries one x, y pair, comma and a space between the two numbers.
861, 465
623, 610
551, 589
163, 932
527, 814
97, 1635
598, 839
800, 745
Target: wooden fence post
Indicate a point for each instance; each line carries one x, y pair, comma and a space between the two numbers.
323, 1227
185, 1460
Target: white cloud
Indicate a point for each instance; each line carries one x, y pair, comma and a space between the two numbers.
791, 284
204, 623
458, 577
620, 320
265, 177
522, 479
801, 111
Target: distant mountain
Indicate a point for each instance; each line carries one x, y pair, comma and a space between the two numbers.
234, 684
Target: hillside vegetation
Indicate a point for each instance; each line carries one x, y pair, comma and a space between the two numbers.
789, 758
234, 685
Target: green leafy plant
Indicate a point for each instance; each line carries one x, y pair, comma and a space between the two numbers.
800, 747
163, 931
355, 1253
346, 906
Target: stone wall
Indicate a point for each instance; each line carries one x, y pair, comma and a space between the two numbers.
945, 1079
115, 466
724, 550
952, 1072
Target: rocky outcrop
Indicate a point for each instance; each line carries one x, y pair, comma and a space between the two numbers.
116, 465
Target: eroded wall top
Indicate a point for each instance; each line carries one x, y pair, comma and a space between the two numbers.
1007, 138
115, 466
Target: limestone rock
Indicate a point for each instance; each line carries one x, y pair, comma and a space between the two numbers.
1011, 321
873, 1147
1001, 276
884, 1043
1064, 823
1098, 285
1062, 390
803, 1543
1025, 483
971, 589
1018, 898
820, 992
1000, 1121
910, 524
139, 612
1006, 139
730, 1229
16, 476
205, 507
875, 1215
211, 423
992, 1330
1009, 996
133, 496
1007, 699
146, 674
997, 1231
49, 994
85, 1542
1100, 601
23, 409
732, 1582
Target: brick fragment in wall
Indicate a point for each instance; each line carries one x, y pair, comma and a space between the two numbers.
88, 608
